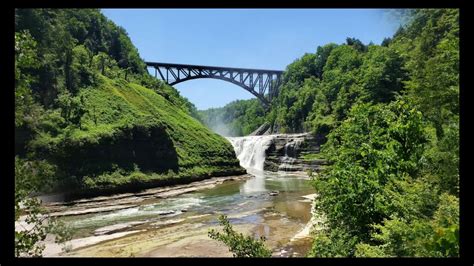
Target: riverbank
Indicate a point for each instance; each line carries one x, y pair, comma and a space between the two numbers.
56, 206
174, 221
137, 181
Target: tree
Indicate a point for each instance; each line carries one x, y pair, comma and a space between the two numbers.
80, 72
72, 108
237, 118
300, 69
357, 44
106, 65
31, 177
395, 168
430, 46
239, 245
435, 237
382, 74
322, 54
386, 42
375, 145
25, 61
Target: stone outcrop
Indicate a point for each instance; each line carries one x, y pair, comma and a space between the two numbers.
284, 154
264, 129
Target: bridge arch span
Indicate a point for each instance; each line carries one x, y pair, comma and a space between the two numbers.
264, 84
260, 97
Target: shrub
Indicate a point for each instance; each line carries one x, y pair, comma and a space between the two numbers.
239, 245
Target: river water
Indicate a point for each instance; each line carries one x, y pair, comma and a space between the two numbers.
274, 205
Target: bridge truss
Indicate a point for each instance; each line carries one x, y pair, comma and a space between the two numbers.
264, 84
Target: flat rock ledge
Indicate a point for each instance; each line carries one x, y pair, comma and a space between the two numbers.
131, 200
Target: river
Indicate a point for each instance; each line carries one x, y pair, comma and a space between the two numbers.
276, 205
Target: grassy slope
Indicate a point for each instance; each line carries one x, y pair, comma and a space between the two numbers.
114, 110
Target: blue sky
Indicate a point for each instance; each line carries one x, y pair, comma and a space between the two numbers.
247, 38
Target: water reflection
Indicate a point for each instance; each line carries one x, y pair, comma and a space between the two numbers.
254, 185
244, 201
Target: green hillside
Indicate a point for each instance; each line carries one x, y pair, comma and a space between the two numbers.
131, 135
86, 107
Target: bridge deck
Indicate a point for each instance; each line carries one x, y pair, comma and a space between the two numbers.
157, 64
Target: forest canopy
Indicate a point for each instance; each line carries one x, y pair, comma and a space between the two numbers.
388, 118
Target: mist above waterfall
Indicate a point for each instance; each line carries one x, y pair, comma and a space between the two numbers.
222, 129
214, 119
237, 118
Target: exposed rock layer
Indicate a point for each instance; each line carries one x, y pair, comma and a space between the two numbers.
284, 154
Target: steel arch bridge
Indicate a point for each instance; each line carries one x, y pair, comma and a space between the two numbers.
264, 84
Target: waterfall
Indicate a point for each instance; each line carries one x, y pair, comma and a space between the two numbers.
250, 150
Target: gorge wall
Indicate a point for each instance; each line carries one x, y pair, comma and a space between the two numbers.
287, 153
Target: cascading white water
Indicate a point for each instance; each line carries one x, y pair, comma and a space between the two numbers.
251, 150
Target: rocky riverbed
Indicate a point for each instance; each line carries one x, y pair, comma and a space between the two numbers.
175, 221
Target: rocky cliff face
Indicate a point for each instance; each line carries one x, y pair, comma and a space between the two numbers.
286, 153
264, 129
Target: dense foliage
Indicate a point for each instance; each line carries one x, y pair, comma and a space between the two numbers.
31, 177
392, 188
86, 107
124, 127
388, 116
319, 89
59, 51
319, 100
241, 246
85, 103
